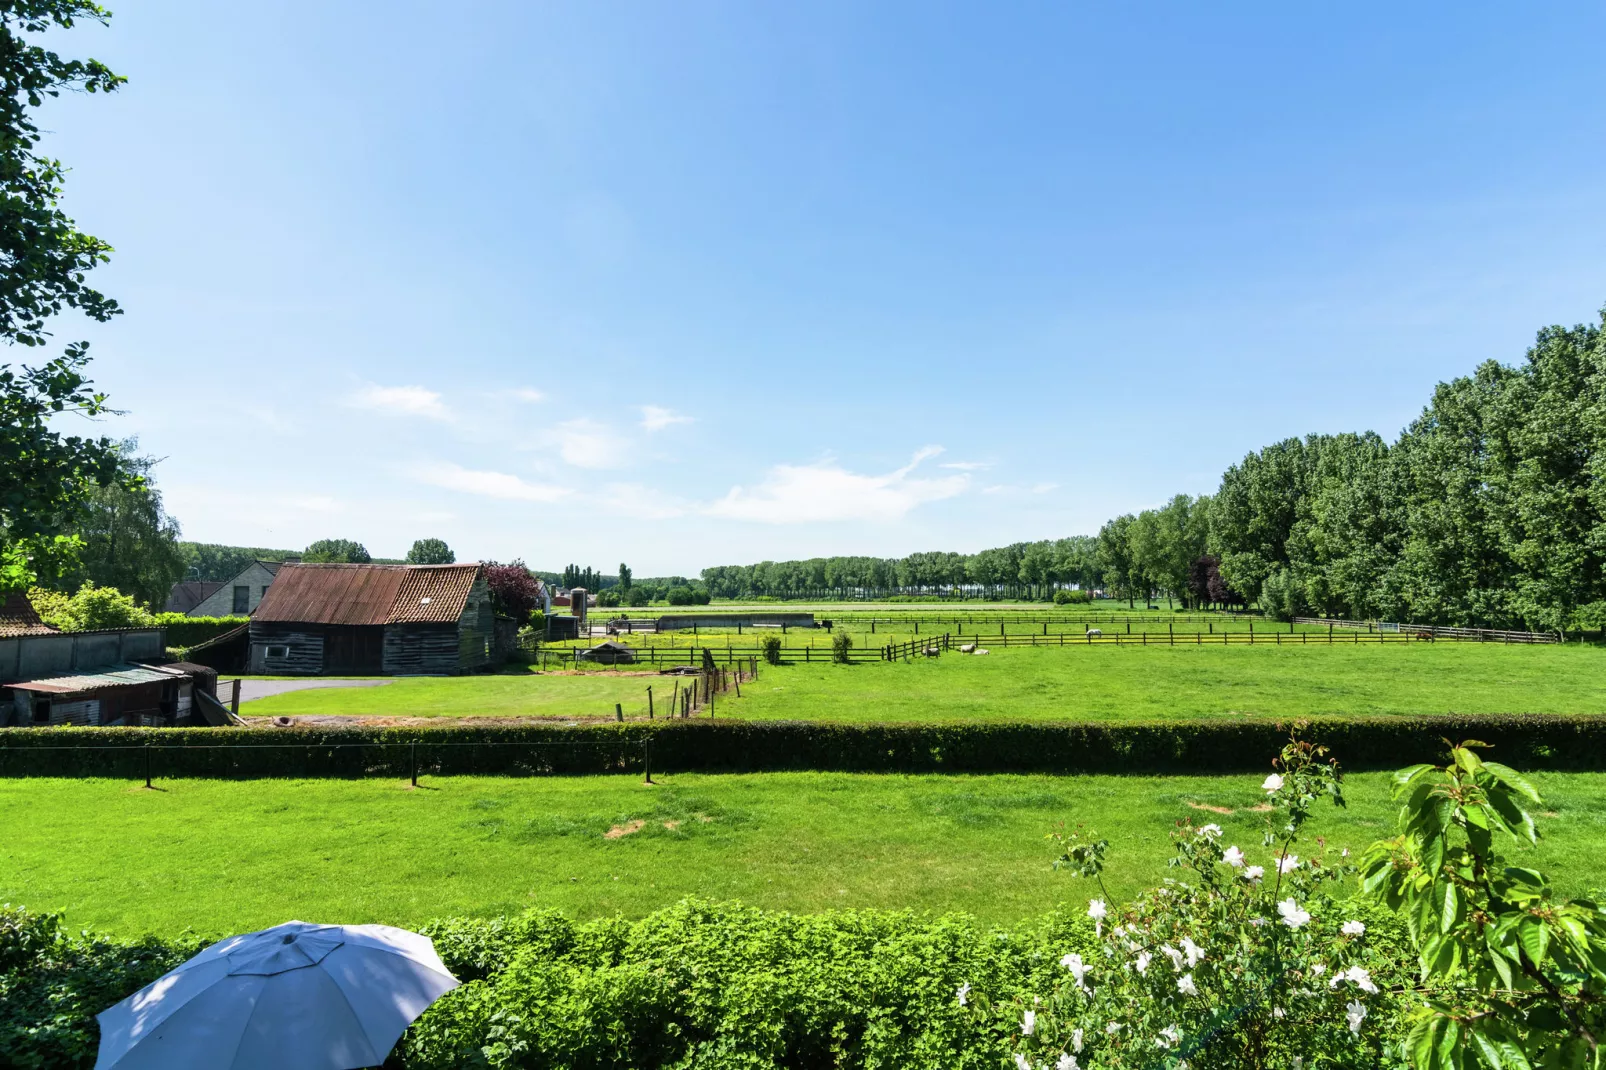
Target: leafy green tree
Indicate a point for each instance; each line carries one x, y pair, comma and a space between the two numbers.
90, 608
44, 475
128, 541
336, 552
1511, 975
624, 576
1116, 560
213, 561
431, 552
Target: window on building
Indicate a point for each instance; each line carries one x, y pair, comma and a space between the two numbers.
242, 599
278, 652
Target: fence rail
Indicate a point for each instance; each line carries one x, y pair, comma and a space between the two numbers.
1261, 638
1485, 635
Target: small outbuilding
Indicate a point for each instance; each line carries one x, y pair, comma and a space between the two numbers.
609, 653
371, 620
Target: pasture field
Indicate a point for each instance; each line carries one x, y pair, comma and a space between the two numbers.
522, 694
220, 856
1044, 684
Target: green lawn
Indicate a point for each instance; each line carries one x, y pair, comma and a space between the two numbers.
1135, 684
512, 695
238, 855
1026, 684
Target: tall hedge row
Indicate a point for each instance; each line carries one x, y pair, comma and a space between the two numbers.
184, 631
1527, 741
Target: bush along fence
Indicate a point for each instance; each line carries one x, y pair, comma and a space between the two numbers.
709, 744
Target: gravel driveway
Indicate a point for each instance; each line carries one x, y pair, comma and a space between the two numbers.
255, 689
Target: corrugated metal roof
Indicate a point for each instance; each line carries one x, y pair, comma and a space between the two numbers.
18, 617
116, 676
367, 594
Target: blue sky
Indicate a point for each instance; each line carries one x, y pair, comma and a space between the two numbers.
700, 283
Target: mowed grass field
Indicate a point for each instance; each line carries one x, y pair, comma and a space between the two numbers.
554, 695
222, 856
1047, 684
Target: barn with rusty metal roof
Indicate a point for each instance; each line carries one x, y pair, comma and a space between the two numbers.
327, 619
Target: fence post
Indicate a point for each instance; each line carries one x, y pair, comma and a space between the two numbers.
649, 704
412, 761
646, 759
618, 712
147, 765
234, 703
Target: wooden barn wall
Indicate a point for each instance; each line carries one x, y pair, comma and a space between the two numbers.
412, 649
476, 628
306, 649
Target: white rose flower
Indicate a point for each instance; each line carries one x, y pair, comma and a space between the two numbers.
1078, 968
1021, 1063
1254, 873
1186, 986
1192, 950
1076, 1041
1028, 1023
1168, 1036
1355, 1015
1293, 917
1210, 831
1353, 928
1233, 857
1144, 958
1272, 783
1096, 909
1066, 1062
1288, 864
1113, 1028
964, 994
1174, 955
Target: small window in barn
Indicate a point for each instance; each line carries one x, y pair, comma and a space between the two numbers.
41, 711
242, 599
278, 651
424, 601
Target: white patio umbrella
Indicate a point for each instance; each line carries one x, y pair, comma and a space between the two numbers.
313, 997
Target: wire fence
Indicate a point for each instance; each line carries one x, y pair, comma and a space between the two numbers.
1437, 631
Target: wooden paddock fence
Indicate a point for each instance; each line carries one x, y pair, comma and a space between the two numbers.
1435, 631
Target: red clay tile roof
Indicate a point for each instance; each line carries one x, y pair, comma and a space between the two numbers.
433, 593
18, 617
367, 594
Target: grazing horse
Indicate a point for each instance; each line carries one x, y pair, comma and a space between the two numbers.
1091, 632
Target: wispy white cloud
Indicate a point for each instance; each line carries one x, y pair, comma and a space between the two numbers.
967, 466
656, 418
527, 394
587, 444
487, 484
641, 502
801, 494
401, 401
1044, 488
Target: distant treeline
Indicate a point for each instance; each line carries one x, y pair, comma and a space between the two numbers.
1487, 511
1019, 570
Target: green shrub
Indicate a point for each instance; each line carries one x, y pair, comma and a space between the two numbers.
680, 596
90, 609
186, 632
608, 599
841, 647
771, 645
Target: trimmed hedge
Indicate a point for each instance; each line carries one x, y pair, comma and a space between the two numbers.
1526, 741
185, 631
719, 986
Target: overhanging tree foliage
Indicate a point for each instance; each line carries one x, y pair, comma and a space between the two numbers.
44, 475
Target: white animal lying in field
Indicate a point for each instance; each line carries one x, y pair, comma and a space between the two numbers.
1091, 632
